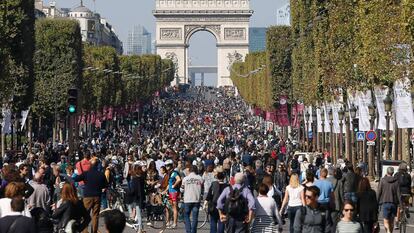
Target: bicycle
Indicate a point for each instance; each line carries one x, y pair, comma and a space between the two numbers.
157, 213
404, 212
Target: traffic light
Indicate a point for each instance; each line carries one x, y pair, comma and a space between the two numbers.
72, 100
135, 118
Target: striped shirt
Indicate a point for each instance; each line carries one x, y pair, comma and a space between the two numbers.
348, 227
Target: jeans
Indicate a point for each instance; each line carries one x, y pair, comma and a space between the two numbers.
291, 215
138, 216
191, 227
216, 226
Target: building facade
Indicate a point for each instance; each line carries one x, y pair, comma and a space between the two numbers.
139, 41
257, 39
95, 30
283, 15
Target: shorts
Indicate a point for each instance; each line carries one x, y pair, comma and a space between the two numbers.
389, 210
174, 197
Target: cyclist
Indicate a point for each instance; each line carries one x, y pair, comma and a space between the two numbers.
404, 180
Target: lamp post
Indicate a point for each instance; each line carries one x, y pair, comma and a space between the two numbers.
341, 118
388, 109
323, 129
12, 131
347, 134
354, 143
315, 138
371, 111
307, 115
18, 125
331, 138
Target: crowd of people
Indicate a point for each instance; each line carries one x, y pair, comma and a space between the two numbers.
204, 153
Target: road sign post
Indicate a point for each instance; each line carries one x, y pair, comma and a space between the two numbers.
360, 136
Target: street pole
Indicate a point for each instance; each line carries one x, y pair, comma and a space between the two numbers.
12, 131
30, 132
387, 139
331, 138
370, 147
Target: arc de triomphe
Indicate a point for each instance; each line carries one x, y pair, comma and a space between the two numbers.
227, 20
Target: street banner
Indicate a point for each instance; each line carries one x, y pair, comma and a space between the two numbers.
335, 109
319, 120
364, 99
6, 124
403, 104
282, 112
380, 95
25, 114
327, 126
294, 116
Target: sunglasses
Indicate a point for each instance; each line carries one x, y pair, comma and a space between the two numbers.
349, 210
308, 197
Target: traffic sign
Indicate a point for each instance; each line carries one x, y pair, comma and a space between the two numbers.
360, 136
371, 135
310, 135
370, 143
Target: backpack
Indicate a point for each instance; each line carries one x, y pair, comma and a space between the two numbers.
404, 180
236, 204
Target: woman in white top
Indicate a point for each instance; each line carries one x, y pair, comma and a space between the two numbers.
266, 213
294, 199
12, 190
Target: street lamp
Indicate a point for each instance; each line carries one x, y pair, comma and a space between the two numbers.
12, 118
348, 137
323, 129
371, 111
18, 125
315, 138
388, 109
341, 118
330, 115
353, 111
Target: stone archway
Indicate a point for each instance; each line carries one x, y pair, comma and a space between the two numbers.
227, 20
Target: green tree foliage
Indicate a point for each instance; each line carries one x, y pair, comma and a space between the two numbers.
102, 87
279, 53
16, 52
58, 64
381, 40
254, 87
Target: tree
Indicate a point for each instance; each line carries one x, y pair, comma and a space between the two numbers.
58, 64
16, 52
279, 53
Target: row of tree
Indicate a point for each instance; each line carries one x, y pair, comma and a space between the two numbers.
334, 46
40, 62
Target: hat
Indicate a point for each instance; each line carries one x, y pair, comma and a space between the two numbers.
169, 162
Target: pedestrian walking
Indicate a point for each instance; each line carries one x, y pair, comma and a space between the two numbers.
350, 181
389, 198
312, 218
404, 181
95, 182
216, 188
294, 199
267, 218
347, 223
193, 185
137, 194
16, 222
236, 206
326, 188
367, 207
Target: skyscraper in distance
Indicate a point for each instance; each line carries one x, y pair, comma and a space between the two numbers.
257, 39
283, 15
139, 41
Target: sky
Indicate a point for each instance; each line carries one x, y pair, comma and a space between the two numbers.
124, 14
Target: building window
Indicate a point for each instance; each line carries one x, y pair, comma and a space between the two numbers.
80, 15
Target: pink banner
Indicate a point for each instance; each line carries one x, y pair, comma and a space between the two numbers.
282, 112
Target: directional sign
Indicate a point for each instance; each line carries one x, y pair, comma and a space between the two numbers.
360, 136
371, 135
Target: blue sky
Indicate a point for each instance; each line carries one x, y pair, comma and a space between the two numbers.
124, 14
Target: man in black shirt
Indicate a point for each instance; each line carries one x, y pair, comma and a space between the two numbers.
15, 222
